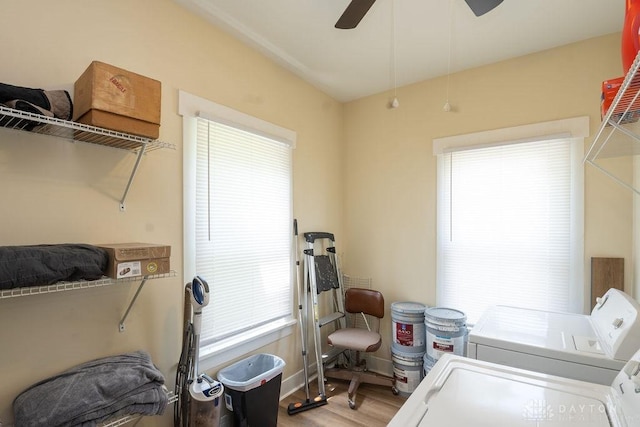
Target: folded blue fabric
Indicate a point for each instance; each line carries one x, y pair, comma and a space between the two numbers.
93, 392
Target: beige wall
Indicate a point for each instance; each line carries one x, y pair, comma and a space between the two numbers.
390, 195
376, 192
53, 191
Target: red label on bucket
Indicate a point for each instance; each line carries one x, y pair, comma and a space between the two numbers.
446, 348
404, 334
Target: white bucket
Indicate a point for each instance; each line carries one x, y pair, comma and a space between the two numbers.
407, 370
427, 364
408, 328
446, 332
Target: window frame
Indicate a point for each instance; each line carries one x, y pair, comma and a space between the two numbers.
192, 107
576, 129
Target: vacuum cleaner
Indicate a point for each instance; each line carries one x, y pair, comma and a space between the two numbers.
199, 395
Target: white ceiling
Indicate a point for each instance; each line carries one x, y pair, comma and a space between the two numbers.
351, 64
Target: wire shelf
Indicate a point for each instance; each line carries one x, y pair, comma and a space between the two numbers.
619, 132
70, 286
51, 126
128, 418
624, 109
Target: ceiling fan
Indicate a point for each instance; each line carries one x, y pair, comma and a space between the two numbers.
356, 10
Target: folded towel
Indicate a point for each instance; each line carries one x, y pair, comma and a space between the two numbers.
93, 392
38, 265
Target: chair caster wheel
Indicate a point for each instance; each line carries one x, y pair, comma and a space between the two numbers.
352, 404
395, 391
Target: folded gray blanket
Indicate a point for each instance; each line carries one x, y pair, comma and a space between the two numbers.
39, 265
93, 392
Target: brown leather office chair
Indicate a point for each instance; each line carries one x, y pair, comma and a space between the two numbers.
363, 302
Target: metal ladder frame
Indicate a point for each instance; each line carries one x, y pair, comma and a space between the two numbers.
311, 288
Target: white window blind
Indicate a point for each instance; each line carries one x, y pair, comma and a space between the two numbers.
242, 229
509, 227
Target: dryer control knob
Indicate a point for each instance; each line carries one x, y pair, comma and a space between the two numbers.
601, 300
617, 322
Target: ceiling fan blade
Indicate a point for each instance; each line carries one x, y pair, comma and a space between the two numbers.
480, 7
354, 13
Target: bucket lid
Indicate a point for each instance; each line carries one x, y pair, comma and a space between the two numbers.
445, 314
408, 307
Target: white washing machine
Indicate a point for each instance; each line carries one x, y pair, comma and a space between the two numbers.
590, 348
459, 391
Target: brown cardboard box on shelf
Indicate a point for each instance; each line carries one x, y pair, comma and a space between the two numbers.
136, 259
112, 98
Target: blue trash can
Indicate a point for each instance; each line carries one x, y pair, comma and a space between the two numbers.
252, 390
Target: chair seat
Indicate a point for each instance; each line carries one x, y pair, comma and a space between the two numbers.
355, 339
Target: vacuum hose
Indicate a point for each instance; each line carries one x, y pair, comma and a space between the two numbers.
181, 407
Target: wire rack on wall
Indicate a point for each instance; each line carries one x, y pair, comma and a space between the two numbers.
70, 286
619, 133
128, 418
356, 320
51, 126
356, 282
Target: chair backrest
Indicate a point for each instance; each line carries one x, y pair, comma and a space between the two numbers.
367, 301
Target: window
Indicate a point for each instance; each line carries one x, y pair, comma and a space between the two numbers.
510, 218
238, 228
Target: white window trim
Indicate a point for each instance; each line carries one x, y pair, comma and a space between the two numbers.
190, 107
576, 128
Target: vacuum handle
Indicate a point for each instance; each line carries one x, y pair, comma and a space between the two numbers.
197, 324
199, 292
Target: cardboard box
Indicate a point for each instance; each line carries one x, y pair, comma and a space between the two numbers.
610, 89
136, 259
117, 99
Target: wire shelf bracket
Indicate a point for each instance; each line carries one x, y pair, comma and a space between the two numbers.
135, 297
28, 122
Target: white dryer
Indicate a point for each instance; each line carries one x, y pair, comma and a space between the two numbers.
459, 391
591, 347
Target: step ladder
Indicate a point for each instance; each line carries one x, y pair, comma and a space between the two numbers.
323, 281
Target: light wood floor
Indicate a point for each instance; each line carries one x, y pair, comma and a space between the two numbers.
375, 406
